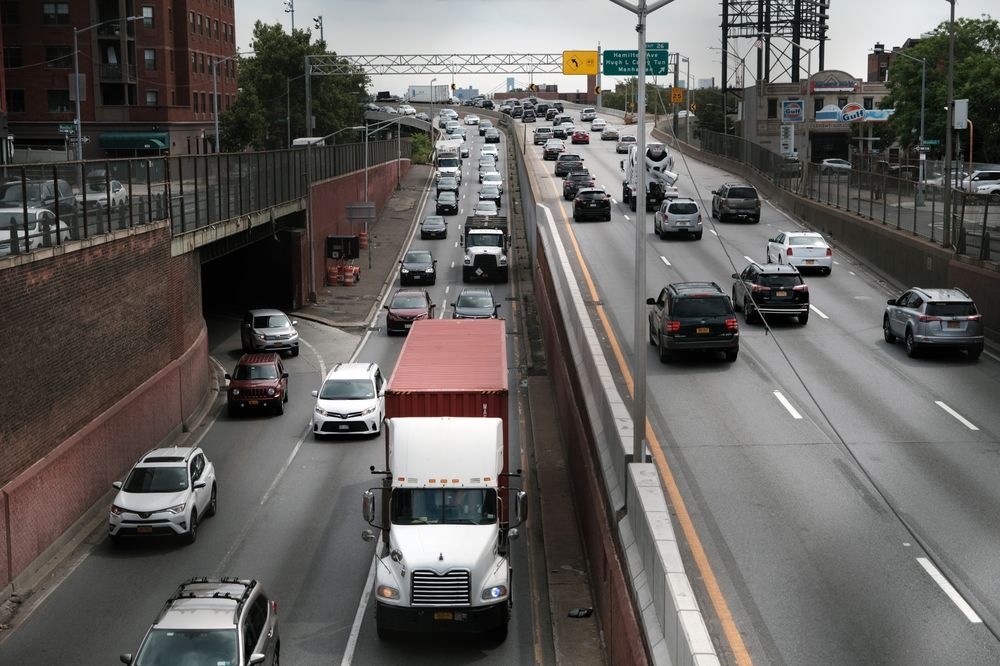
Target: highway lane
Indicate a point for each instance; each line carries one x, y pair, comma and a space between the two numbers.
289, 515
815, 563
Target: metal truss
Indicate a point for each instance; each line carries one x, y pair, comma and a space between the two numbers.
796, 20
453, 63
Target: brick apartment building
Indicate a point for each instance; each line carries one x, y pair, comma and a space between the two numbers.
146, 84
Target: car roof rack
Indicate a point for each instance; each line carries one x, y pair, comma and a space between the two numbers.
182, 593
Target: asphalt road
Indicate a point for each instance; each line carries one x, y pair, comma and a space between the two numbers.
289, 515
826, 521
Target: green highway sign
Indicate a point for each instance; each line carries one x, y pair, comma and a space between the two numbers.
932, 142
67, 128
626, 62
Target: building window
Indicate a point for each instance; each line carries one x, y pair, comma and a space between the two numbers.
149, 56
194, 63
173, 98
192, 22
12, 56
202, 63
194, 103
841, 102
170, 19
817, 105
58, 57
868, 103
216, 28
15, 100
772, 108
10, 12
55, 13
152, 98
204, 102
201, 26
147, 16
59, 101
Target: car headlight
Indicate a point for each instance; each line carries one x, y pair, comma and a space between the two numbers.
467, 261
117, 510
321, 411
179, 508
503, 260
404, 271
387, 592
368, 411
495, 592
234, 392
259, 336
429, 270
270, 391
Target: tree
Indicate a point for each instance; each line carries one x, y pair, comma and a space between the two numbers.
258, 118
709, 112
977, 78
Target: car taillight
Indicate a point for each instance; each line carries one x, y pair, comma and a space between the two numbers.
788, 252
928, 318
672, 326
759, 288
274, 606
699, 217
974, 317
800, 287
829, 251
732, 325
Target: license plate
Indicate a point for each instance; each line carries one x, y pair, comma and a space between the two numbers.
343, 426
144, 529
683, 223
444, 615
407, 325
782, 293
953, 324
253, 402
701, 329
809, 261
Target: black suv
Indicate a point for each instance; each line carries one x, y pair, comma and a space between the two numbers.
736, 201
576, 181
592, 202
693, 315
771, 289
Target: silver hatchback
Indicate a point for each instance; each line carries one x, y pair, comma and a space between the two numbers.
929, 318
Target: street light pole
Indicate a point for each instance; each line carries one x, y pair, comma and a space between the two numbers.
290, 9
919, 198
215, 93
950, 120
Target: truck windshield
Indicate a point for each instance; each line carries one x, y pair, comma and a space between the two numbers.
444, 506
448, 162
485, 240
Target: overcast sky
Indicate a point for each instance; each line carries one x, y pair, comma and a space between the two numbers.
372, 27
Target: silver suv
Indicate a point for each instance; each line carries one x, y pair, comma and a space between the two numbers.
736, 201
269, 330
927, 318
227, 621
678, 216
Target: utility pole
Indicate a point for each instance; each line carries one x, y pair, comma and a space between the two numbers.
318, 22
290, 9
946, 227
677, 68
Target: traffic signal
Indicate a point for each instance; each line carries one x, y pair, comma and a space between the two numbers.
453, 86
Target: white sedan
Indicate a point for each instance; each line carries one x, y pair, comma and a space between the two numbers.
490, 149
598, 125
472, 119
803, 249
493, 178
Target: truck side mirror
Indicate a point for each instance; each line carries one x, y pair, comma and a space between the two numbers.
891, 301
368, 506
521, 506
650, 301
315, 394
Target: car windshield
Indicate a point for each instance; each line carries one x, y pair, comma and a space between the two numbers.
592, 194
566, 157
270, 321
701, 307
13, 194
191, 647
448, 162
491, 178
806, 240
742, 193
255, 372
96, 186
485, 240
407, 302
447, 197
627, 139
444, 506
417, 257
489, 192
780, 281
486, 208
475, 301
434, 222
951, 309
683, 208
347, 389
156, 480
579, 176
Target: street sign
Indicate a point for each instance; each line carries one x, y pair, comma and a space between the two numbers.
67, 129
677, 95
922, 149
626, 62
597, 90
932, 142
579, 62
85, 139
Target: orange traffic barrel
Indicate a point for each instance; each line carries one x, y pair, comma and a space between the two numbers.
332, 274
363, 240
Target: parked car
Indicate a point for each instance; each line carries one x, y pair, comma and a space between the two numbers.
350, 401
609, 134
166, 493
591, 203
475, 303
926, 318
49, 194
693, 316
447, 204
736, 201
407, 110
422, 116
418, 267
834, 166
433, 226
981, 178
680, 216
41, 221
567, 162
269, 330
405, 307
99, 193
802, 249
771, 289
259, 381
624, 141
218, 621
575, 181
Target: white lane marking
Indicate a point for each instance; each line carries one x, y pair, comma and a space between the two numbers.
664, 260
784, 401
818, 311
446, 289
456, 243
836, 263
950, 590
851, 272
441, 314
359, 617
627, 217
964, 421
748, 258
613, 201
453, 264
714, 232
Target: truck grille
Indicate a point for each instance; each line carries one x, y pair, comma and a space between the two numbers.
448, 589
485, 261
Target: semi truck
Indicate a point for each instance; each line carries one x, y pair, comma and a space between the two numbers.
659, 182
443, 560
448, 159
428, 94
486, 243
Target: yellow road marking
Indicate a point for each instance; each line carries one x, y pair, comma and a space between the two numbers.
736, 644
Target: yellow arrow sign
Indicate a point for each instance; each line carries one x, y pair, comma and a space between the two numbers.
597, 90
677, 95
580, 62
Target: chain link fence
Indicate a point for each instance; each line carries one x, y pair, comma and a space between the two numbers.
878, 191
47, 204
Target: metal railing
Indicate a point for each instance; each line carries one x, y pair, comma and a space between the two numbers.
876, 192
48, 204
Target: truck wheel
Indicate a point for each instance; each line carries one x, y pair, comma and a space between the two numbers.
664, 354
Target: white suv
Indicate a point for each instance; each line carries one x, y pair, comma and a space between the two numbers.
168, 492
678, 216
213, 621
351, 401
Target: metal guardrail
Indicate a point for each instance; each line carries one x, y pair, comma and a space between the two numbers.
875, 193
42, 205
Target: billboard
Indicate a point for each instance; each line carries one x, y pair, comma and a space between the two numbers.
792, 111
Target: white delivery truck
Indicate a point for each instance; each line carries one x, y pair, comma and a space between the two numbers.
442, 563
448, 159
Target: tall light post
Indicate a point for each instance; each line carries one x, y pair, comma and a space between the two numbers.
76, 76
642, 10
432, 98
950, 120
215, 92
290, 9
919, 198
318, 22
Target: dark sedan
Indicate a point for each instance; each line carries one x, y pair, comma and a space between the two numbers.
490, 193
568, 162
417, 267
406, 307
475, 303
492, 135
447, 204
485, 125
447, 184
433, 226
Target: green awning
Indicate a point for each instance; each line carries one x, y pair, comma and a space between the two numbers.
134, 140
